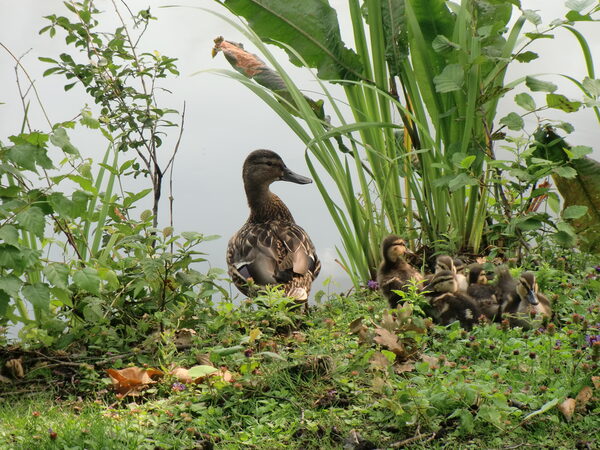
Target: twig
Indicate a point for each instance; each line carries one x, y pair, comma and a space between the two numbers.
429, 437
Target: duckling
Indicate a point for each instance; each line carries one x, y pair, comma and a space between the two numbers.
394, 272
484, 294
524, 300
461, 279
447, 304
270, 249
445, 262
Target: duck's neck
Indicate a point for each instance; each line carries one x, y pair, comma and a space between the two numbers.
399, 264
266, 206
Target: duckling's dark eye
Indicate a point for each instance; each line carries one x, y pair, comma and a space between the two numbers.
269, 163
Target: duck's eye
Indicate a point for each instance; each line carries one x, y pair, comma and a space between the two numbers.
269, 163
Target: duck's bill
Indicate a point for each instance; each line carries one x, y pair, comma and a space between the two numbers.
531, 298
288, 175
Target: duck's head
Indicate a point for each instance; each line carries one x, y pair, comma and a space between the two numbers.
459, 265
477, 275
263, 167
444, 262
527, 287
443, 281
393, 248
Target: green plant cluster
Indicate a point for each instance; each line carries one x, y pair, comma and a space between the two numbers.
420, 154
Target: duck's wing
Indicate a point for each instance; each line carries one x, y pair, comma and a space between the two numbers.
271, 254
297, 252
251, 254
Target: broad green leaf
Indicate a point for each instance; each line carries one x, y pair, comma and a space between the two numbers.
468, 161
38, 295
201, 371
32, 219
561, 102
451, 78
61, 140
538, 85
62, 295
525, 101
394, 34
11, 285
534, 36
591, 86
579, 151
441, 44
23, 155
9, 234
574, 16
310, 27
4, 302
565, 172
529, 224
579, 5
574, 212
61, 204
57, 274
513, 121
461, 180
87, 279
526, 57
565, 239
532, 16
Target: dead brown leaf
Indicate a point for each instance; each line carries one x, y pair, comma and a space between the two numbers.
567, 408
408, 366
596, 381
433, 361
379, 361
356, 325
3, 379
387, 339
583, 398
132, 380
388, 322
182, 375
15, 367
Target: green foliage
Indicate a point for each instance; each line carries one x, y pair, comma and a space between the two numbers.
434, 71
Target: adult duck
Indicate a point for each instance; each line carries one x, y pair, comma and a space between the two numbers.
270, 248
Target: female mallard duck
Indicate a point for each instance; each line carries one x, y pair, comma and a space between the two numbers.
524, 301
270, 249
394, 272
447, 304
483, 293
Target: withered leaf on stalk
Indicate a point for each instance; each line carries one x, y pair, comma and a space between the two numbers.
251, 66
388, 322
132, 380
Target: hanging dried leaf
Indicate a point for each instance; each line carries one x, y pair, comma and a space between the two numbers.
132, 380
567, 408
583, 398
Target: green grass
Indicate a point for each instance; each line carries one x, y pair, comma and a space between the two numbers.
476, 392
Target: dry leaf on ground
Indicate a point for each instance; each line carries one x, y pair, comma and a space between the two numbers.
433, 361
596, 381
379, 361
132, 380
389, 340
408, 366
583, 398
567, 408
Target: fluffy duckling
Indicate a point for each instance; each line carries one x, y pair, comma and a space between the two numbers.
483, 293
447, 304
270, 249
394, 272
524, 300
445, 262
461, 279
